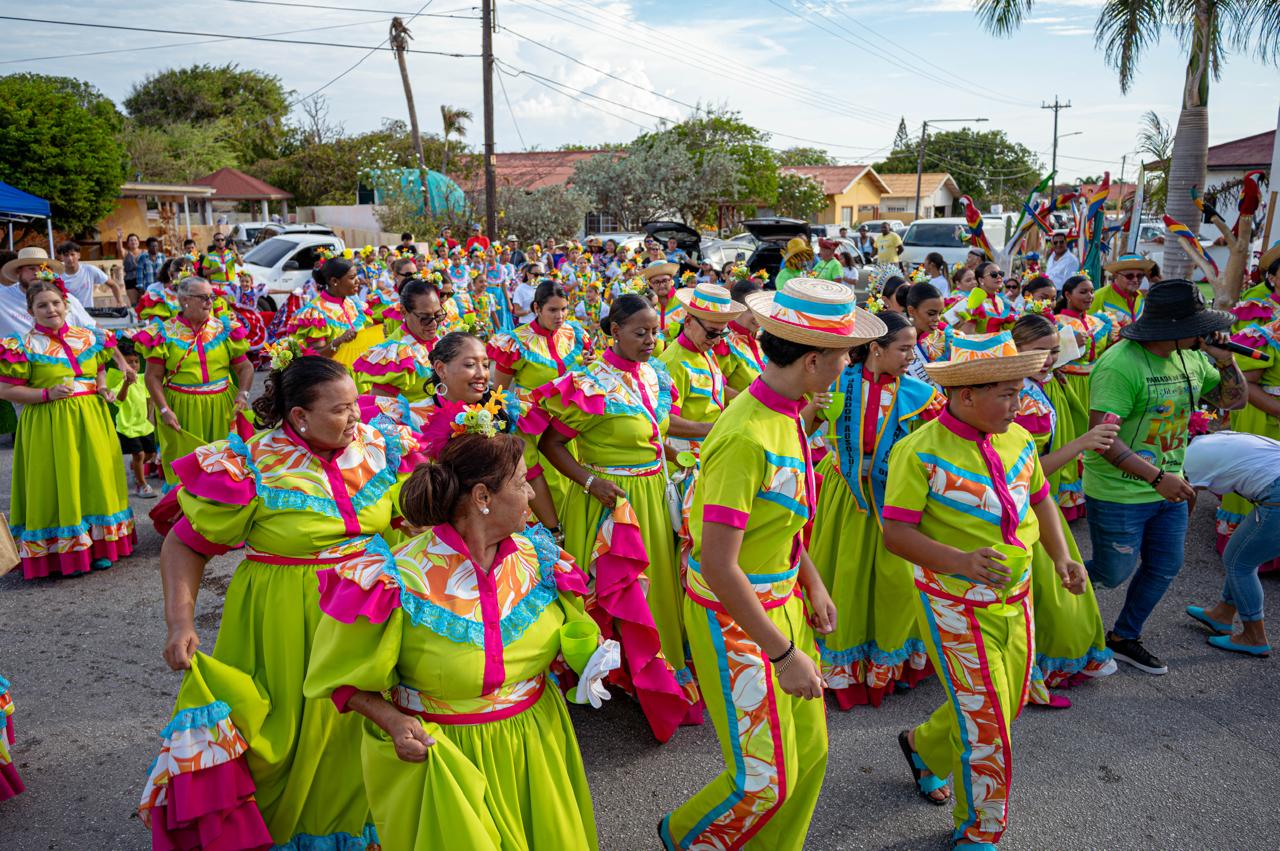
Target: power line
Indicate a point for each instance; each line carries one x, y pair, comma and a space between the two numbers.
222, 36
448, 13
558, 87
502, 83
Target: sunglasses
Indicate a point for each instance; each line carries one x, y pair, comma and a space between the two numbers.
1132, 276
429, 318
218, 239
996, 274
711, 333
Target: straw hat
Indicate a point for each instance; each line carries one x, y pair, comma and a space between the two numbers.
1068, 347
796, 246
28, 257
659, 267
709, 301
815, 313
984, 359
1269, 256
1130, 261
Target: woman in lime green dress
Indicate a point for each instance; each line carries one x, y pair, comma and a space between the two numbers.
192, 360
619, 520
246, 760
1095, 329
1070, 640
471, 746
68, 507
334, 324
876, 646
401, 366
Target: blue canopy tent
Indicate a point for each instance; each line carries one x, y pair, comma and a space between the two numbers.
23, 207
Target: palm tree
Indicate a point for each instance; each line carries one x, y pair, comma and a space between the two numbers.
1205, 29
1155, 140
453, 119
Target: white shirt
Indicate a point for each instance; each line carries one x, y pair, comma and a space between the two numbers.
81, 284
523, 296
940, 284
1233, 462
16, 321
581, 311
1060, 268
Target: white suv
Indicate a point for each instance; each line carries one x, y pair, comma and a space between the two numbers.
284, 263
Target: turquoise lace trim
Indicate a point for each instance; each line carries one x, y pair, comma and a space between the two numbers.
1230, 516
331, 841
572, 359
283, 499
870, 651
183, 345
544, 544
1051, 664
207, 716
456, 628
72, 531
4, 686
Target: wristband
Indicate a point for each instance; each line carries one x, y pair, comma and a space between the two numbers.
164, 411
791, 645
44, 395
1155, 483
586, 486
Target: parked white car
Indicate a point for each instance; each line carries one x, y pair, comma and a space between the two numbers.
284, 263
947, 237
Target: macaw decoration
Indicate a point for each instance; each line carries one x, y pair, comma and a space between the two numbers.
1027, 205
973, 227
1190, 243
1226, 284
1091, 224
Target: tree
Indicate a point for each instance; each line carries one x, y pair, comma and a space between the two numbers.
804, 156
1205, 29
252, 103
1155, 140
712, 132
453, 120
178, 153
986, 165
799, 196
58, 140
902, 139
550, 210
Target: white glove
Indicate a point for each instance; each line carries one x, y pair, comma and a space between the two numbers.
591, 687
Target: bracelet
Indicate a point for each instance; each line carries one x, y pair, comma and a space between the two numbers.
780, 668
586, 486
1155, 483
44, 395
791, 645
164, 411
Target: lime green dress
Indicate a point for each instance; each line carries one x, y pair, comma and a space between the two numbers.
68, 505
469, 653
325, 318
617, 411
398, 366
246, 757
1073, 405
198, 384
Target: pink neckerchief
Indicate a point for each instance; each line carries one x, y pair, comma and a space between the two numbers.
550, 337
495, 668
995, 470
60, 334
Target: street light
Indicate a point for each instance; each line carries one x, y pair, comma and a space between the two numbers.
924, 132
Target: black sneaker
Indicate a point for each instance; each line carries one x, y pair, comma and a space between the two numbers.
1131, 651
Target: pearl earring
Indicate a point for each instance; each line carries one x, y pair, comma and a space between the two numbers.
484, 509
302, 429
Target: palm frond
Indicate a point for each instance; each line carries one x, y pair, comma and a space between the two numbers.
1252, 27
1155, 136
1002, 17
1126, 29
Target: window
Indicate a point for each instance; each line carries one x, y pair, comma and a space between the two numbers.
306, 258
935, 235
846, 216
268, 254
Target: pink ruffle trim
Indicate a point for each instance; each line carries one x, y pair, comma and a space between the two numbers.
185, 532
214, 485
238, 332
571, 581
1250, 310
166, 513
367, 367
622, 607
409, 461
345, 600
504, 357
210, 809
80, 561
534, 420
9, 355
10, 782
306, 322
865, 695
570, 395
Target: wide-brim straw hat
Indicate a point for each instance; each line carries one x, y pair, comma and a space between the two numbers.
1176, 310
814, 312
709, 301
1130, 261
795, 247
1269, 256
659, 267
28, 257
985, 359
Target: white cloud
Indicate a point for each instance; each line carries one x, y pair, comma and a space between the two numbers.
1070, 30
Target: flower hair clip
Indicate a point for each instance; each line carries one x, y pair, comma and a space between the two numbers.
875, 304
281, 353
477, 419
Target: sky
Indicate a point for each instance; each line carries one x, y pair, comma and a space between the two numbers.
835, 74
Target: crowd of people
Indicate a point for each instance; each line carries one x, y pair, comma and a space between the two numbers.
482, 479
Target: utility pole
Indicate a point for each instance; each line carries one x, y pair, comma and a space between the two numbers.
1120, 182
399, 43
490, 180
924, 131
1057, 107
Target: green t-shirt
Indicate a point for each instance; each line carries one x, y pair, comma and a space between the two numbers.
827, 270
131, 411
785, 274
1154, 398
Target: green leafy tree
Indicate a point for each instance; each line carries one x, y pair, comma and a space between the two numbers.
1155, 140
58, 140
714, 131
252, 103
987, 165
804, 156
532, 215
799, 196
1204, 30
902, 139
178, 153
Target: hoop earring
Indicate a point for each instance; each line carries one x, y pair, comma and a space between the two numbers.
442, 389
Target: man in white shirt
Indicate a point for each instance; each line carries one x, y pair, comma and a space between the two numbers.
17, 275
1061, 263
80, 278
1249, 465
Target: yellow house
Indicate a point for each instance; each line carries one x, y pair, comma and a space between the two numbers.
853, 192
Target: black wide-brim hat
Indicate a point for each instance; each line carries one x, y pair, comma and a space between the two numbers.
1175, 310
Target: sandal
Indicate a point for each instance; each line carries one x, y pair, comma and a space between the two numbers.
1197, 613
144, 491
926, 783
1227, 642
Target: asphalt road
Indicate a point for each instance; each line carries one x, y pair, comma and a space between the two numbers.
1180, 761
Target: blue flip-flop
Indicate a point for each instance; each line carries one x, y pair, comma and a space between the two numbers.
1197, 612
1224, 642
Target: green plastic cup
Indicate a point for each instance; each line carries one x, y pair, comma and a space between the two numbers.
1016, 559
685, 458
578, 641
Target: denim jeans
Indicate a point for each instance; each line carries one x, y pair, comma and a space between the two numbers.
1123, 534
1255, 542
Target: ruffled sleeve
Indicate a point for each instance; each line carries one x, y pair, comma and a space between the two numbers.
311, 328
573, 402
15, 368
388, 365
504, 351
150, 342
152, 304
357, 643
237, 338
218, 497
106, 341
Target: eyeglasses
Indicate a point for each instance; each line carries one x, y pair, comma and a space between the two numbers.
206, 298
1132, 276
1011, 285
429, 318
